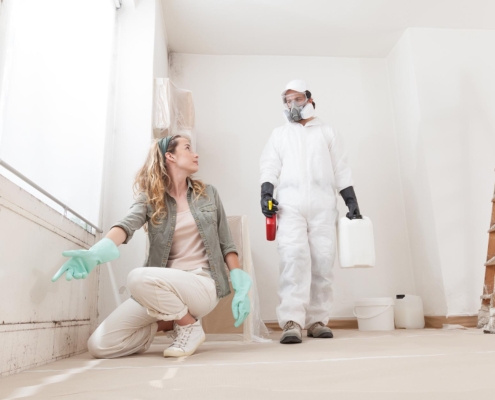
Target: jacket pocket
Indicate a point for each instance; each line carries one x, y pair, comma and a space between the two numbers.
209, 212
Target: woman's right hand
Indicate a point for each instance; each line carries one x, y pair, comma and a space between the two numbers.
78, 267
82, 262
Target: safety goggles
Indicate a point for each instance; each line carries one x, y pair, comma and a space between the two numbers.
294, 98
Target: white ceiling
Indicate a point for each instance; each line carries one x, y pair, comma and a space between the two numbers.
340, 28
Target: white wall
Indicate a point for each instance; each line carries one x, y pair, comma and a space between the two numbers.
427, 273
443, 90
160, 64
141, 53
40, 321
237, 102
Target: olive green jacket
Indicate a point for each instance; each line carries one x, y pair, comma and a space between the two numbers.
212, 224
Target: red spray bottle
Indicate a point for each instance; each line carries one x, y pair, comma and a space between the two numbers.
271, 225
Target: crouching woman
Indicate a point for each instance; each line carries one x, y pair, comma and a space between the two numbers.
184, 276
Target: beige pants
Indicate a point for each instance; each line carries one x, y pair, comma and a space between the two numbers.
158, 294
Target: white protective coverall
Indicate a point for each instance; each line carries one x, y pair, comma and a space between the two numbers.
308, 165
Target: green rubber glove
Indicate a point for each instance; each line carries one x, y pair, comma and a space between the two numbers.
84, 261
241, 305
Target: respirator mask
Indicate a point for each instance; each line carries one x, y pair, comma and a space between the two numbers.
297, 107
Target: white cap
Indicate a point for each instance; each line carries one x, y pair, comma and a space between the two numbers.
297, 84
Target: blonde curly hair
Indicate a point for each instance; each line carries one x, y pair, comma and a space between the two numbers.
153, 180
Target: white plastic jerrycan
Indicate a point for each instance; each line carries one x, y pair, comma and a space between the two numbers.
408, 312
356, 243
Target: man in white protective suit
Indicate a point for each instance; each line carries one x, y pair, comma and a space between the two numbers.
306, 162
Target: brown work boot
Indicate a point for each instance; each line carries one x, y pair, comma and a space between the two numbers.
318, 330
292, 333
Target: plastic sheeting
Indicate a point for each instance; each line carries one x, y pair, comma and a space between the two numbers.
220, 320
173, 110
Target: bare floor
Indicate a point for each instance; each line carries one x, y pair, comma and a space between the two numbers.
403, 364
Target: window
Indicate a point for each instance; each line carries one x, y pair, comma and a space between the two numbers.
54, 97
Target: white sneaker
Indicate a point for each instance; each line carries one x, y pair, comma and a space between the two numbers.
189, 338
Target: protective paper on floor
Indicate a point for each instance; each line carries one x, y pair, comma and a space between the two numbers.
354, 365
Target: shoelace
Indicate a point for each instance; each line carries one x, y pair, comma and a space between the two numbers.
315, 324
183, 335
291, 325
173, 333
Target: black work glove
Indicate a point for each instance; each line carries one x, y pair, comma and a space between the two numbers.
351, 201
266, 196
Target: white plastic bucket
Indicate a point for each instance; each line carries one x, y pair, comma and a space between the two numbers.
375, 314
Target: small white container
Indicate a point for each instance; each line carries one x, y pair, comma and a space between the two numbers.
409, 312
375, 314
356, 243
